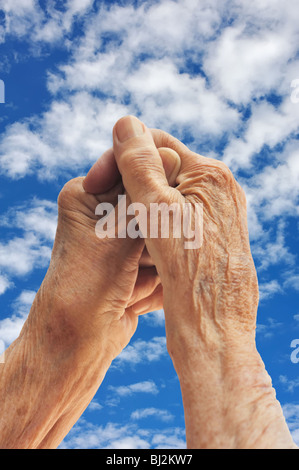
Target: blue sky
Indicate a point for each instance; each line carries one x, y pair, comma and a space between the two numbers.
215, 73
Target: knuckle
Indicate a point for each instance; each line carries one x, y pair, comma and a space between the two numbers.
137, 156
70, 190
141, 165
224, 172
219, 175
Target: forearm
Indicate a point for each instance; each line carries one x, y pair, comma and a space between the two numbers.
228, 398
46, 383
228, 408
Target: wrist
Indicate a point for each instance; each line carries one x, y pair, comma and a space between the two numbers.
68, 322
61, 337
229, 401
51, 382
208, 319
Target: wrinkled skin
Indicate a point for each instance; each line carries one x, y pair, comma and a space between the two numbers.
87, 308
222, 270
82, 317
108, 282
221, 274
210, 295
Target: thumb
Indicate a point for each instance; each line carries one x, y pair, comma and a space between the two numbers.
139, 162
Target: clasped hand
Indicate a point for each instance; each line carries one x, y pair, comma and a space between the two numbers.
87, 308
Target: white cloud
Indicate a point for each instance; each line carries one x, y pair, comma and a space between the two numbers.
163, 415
269, 252
11, 326
141, 351
4, 284
243, 55
94, 405
24, 301
175, 100
268, 330
292, 281
20, 255
86, 435
155, 318
272, 197
38, 216
69, 136
20, 16
19, 148
267, 126
144, 68
253, 54
240, 61
147, 386
269, 289
191, 68
173, 439
291, 414
25, 19
290, 384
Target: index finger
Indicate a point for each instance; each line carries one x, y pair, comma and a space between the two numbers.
189, 159
103, 175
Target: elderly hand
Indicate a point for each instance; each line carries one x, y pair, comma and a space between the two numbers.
100, 285
84, 314
210, 293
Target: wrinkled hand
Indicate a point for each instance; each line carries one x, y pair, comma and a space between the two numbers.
98, 286
210, 292
216, 285
83, 315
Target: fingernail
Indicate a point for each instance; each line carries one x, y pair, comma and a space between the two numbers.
129, 127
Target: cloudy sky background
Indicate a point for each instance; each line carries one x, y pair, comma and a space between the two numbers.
215, 73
